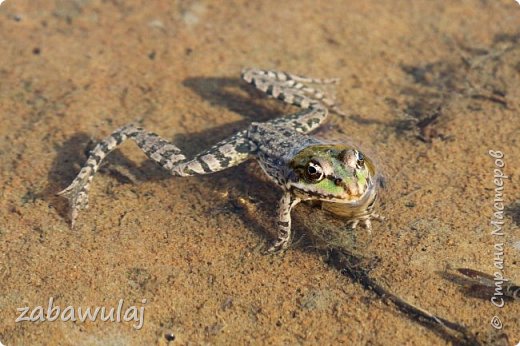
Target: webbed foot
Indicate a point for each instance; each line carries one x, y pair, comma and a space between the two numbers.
278, 246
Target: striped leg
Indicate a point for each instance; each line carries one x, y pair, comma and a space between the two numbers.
292, 89
287, 202
303, 121
284, 76
225, 154
307, 80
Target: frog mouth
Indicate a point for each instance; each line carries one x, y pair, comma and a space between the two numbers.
352, 208
364, 193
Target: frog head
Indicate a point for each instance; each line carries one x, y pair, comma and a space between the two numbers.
333, 173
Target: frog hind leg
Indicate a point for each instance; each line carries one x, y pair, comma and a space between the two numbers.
294, 82
225, 154
295, 90
304, 121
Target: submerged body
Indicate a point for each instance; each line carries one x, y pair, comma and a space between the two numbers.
304, 167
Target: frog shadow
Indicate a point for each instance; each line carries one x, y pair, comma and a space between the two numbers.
235, 95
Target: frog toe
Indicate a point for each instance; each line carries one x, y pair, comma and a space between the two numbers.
278, 246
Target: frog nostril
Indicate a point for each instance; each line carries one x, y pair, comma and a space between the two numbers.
338, 181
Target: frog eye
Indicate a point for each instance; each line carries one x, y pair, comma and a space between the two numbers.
360, 160
314, 171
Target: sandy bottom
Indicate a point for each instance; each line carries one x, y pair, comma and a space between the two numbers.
429, 88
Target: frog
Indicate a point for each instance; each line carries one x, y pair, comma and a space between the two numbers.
340, 177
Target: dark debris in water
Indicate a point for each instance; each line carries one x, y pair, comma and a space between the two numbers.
353, 267
482, 285
475, 75
513, 210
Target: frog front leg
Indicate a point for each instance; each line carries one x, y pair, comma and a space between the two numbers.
287, 202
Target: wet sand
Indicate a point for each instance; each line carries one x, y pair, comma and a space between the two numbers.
429, 88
